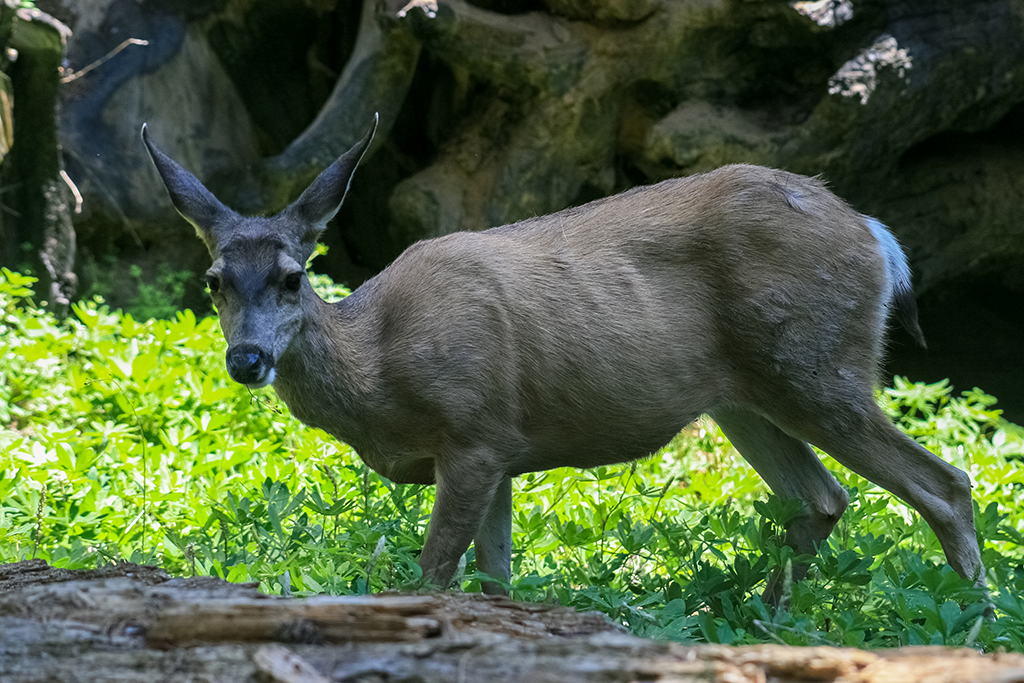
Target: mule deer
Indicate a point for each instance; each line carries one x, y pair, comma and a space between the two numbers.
588, 337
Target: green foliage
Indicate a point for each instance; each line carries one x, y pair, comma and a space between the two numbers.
156, 295
161, 298
126, 439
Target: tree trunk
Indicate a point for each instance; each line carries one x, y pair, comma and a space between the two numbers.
38, 202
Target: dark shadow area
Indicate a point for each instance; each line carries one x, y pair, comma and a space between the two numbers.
1005, 135
958, 204
284, 59
975, 333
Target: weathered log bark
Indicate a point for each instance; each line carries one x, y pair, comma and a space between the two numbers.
38, 201
129, 623
529, 113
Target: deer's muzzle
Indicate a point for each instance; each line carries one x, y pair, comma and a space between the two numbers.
250, 365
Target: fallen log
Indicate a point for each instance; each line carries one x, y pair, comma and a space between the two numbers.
129, 624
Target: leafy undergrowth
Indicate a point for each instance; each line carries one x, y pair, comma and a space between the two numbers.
126, 440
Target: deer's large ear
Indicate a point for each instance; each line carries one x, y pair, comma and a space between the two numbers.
322, 200
193, 201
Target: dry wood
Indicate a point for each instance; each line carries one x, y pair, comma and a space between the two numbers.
105, 628
36, 572
282, 665
384, 618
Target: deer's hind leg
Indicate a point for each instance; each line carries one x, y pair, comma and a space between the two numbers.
862, 439
493, 540
792, 470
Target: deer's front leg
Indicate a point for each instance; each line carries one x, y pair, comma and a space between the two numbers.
466, 487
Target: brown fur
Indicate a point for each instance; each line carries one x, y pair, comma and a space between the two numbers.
587, 337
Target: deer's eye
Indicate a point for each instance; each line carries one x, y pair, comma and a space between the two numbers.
213, 282
293, 281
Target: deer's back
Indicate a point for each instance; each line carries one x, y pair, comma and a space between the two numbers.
644, 309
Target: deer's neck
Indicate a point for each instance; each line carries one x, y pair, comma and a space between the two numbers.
328, 374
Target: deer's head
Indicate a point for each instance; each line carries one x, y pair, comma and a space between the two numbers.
258, 277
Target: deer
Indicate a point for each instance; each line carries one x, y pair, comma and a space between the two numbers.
589, 337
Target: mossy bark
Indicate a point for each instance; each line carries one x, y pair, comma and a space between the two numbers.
38, 201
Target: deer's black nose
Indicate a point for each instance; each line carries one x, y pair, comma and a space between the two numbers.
249, 364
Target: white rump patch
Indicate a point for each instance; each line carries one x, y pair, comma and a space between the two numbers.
897, 271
